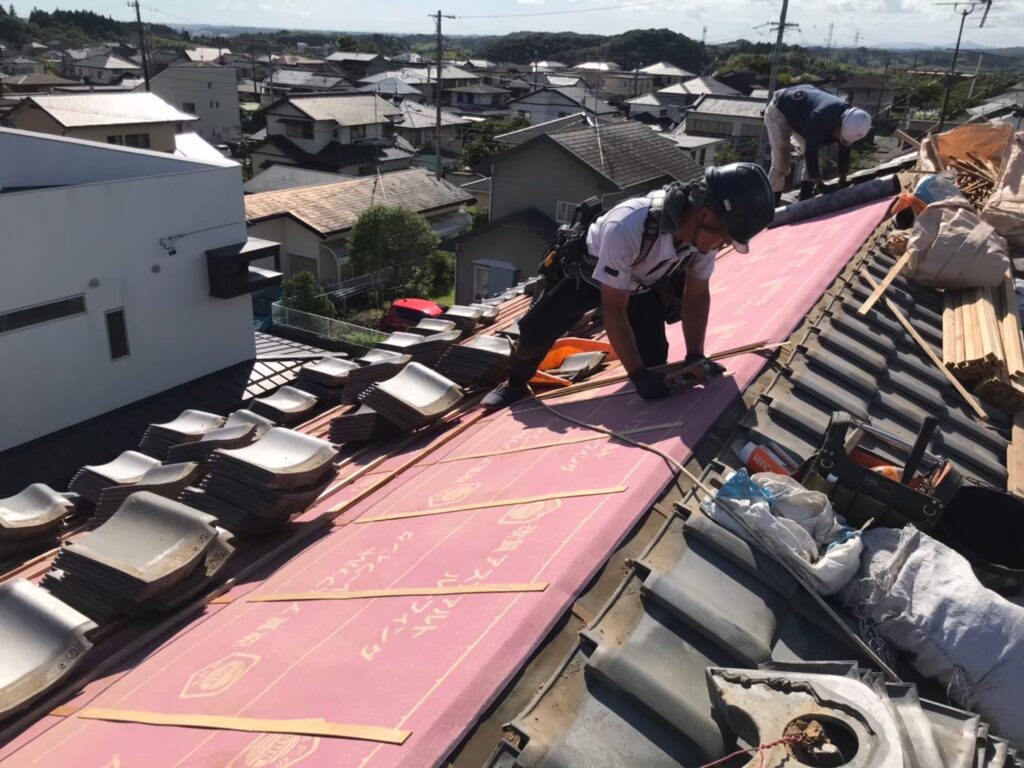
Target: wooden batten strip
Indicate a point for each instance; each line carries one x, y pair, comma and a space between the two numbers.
494, 503
370, 594
299, 727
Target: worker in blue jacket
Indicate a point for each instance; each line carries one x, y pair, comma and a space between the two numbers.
808, 118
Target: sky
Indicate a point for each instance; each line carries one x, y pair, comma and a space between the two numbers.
878, 22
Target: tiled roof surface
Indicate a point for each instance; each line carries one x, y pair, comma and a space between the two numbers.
629, 153
37, 79
334, 155
205, 54
286, 177
352, 56
699, 85
733, 106
425, 116
586, 99
346, 109
664, 69
53, 459
479, 88
301, 78
109, 109
331, 208
107, 61
390, 86
870, 367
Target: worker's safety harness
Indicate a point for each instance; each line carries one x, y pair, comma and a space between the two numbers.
568, 257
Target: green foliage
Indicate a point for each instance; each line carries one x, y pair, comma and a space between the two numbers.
441, 267
418, 285
303, 292
726, 154
480, 218
628, 49
389, 236
483, 144
353, 44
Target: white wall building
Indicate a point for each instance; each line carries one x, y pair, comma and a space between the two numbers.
206, 91
117, 300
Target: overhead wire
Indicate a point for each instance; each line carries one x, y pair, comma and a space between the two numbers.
567, 12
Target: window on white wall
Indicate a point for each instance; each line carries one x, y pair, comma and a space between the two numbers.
117, 334
357, 132
188, 106
563, 211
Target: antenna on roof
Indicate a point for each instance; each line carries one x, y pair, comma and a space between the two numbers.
597, 119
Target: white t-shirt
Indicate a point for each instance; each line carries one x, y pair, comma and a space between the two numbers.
615, 239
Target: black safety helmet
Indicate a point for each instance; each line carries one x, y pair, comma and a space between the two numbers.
742, 199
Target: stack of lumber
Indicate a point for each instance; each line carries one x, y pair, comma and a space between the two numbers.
976, 177
982, 345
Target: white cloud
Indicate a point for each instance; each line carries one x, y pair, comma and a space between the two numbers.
530, 2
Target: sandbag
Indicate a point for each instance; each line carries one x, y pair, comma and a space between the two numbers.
924, 599
950, 247
1005, 207
796, 524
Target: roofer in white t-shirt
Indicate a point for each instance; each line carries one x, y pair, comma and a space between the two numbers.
636, 260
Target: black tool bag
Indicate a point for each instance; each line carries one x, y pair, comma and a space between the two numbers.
844, 470
982, 523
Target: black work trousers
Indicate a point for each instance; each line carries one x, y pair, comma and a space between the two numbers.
562, 306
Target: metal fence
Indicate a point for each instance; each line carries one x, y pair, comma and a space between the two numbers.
357, 285
325, 327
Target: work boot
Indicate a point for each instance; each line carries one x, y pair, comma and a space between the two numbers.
806, 190
505, 395
778, 199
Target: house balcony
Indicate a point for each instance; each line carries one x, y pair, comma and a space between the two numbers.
232, 273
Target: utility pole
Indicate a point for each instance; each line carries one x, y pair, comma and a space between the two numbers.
439, 164
142, 41
704, 35
881, 91
828, 44
252, 63
856, 39
774, 77
964, 12
974, 80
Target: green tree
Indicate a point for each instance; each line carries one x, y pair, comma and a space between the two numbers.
10, 11
303, 292
727, 154
483, 144
387, 236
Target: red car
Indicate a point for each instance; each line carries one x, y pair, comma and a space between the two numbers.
405, 313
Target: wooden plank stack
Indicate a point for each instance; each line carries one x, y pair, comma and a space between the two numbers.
982, 344
976, 177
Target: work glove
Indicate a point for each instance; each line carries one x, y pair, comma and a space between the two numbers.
806, 190
711, 368
649, 385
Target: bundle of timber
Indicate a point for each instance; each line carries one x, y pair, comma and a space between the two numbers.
976, 177
982, 345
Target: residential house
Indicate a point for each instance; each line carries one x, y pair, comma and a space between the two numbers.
562, 80
22, 65
34, 48
350, 133
408, 57
743, 81
104, 68
487, 100
297, 61
549, 103
479, 187
871, 93
592, 72
278, 177
1008, 106
394, 89
424, 79
701, 148
358, 65
35, 83
208, 91
287, 81
650, 105
418, 126
529, 233
625, 85
144, 285
547, 66
141, 120
665, 74
204, 55
247, 67
737, 118
554, 172
569, 122
313, 223
159, 60
687, 93
518, 87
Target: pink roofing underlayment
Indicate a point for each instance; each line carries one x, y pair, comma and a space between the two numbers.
431, 665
